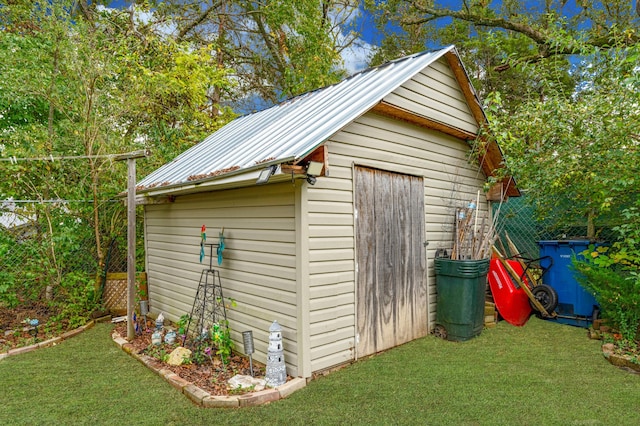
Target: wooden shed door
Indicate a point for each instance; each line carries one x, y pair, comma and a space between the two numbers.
391, 289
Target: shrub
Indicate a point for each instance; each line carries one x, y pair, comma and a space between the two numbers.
77, 299
612, 275
617, 292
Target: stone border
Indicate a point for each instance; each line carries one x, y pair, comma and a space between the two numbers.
621, 361
51, 342
202, 398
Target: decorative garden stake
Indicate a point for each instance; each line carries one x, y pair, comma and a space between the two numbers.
247, 339
34, 330
276, 374
144, 310
135, 323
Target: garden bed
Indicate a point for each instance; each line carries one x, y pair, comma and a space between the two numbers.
618, 352
205, 384
210, 376
625, 359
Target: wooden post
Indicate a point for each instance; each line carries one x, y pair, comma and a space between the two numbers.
131, 246
131, 236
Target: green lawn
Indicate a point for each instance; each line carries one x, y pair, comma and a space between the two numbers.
540, 374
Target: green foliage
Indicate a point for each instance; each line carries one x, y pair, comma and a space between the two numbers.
36, 256
216, 342
492, 39
159, 352
183, 322
577, 150
617, 293
566, 128
612, 274
83, 82
221, 337
77, 299
278, 48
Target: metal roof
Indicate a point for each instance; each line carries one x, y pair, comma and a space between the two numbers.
289, 130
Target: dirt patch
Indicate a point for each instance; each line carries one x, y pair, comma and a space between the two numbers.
13, 318
16, 329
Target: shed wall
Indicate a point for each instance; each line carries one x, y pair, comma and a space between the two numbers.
435, 93
379, 142
259, 266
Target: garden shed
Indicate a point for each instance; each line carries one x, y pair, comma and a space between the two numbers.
333, 205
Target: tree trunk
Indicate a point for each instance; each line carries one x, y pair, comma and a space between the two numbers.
591, 227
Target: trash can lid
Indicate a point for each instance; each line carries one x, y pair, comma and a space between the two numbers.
569, 242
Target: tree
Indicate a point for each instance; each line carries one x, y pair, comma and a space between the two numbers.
521, 49
85, 86
544, 28
556, 78
277, 48
579, 152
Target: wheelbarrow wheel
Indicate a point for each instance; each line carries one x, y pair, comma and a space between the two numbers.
440, 331
547, 297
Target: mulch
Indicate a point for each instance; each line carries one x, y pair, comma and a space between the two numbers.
16, 332
210, 376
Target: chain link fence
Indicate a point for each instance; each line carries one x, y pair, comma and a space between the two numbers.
49, 253
517, 218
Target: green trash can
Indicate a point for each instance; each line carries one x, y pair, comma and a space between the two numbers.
461, 286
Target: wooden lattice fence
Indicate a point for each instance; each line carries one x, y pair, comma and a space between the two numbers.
114, 296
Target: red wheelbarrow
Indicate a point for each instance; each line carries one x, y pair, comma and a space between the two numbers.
515, 294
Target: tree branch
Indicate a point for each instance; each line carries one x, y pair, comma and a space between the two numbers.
468, 16
199, 20
273, 49
548, 45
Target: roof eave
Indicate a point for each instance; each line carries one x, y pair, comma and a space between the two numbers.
235, 179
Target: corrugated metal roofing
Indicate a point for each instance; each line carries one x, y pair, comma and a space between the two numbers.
291, 129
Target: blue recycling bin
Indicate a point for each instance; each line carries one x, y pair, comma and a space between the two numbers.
576, 306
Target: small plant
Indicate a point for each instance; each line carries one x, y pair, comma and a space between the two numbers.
183, 323
228, 303
221, 336
239, 390
52, 328
157, 352
78, 299
200, 348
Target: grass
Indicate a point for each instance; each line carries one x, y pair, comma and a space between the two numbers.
540, 374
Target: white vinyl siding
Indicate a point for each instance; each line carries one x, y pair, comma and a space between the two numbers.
435, 93
259, 266
331, 270
380, 142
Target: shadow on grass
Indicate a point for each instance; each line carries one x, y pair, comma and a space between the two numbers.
542, 373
